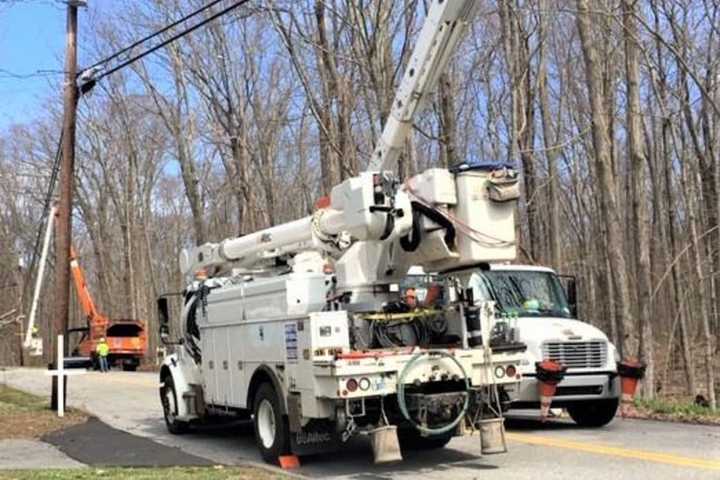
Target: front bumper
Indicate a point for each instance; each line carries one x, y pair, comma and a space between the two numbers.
574, 388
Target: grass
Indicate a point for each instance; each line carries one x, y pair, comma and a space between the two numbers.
677, 410
12, 401
29, 416
177, 473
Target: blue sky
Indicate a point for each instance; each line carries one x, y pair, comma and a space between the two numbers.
32, 38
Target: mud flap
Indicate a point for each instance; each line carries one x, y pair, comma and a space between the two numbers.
317, 436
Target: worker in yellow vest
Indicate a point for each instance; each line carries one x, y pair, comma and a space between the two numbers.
103, 349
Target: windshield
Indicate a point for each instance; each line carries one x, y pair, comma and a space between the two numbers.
521, 293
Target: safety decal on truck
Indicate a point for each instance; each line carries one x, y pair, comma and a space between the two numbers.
291, 347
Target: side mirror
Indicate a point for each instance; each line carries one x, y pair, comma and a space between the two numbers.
163, 310
570, 284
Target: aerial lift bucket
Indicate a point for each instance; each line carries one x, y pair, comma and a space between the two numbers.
385, 444
35, 348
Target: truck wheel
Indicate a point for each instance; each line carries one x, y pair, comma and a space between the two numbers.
169, 401
412, 440
593, 414
129, 367
271, 428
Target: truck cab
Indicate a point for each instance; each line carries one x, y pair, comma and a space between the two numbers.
542, 315
539, 309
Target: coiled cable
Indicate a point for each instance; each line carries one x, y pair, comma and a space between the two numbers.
401, 394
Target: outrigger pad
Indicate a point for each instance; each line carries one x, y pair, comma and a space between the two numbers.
385, 444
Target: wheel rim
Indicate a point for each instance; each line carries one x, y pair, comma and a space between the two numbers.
266, 423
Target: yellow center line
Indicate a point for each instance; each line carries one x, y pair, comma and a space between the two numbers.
656, 457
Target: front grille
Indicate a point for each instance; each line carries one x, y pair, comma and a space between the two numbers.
576, 354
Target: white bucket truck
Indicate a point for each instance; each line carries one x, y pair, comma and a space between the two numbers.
302, 327
317, 357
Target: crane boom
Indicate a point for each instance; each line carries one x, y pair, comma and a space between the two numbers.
40, 276
366, 207
443, 29
85, 299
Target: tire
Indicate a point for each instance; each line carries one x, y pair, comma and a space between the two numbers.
593, 414
129, 367
410, 439
271, 428
168, 398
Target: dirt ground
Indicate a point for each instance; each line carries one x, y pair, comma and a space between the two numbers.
28, 416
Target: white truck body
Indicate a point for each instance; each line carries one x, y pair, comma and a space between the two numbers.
274, 330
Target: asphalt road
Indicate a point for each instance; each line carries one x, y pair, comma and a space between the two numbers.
625, 449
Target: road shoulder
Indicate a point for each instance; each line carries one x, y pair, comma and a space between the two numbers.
20, 454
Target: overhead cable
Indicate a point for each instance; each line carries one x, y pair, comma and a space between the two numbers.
167, 41
154, 34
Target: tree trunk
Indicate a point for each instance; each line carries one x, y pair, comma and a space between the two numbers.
638, 162
606, 180
551, 154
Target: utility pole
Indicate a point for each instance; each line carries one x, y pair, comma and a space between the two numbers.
63, 223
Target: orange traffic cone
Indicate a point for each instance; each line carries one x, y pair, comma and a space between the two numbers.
549, 374
631, 371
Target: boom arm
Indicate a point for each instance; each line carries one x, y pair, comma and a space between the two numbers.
443, 29
40, 277
363, 208
83, 293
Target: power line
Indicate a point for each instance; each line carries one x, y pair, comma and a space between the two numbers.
37, 73
56, 163
170, 40
155, 34
91, 80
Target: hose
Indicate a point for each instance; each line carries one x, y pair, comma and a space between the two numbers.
403, 405
411, 242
